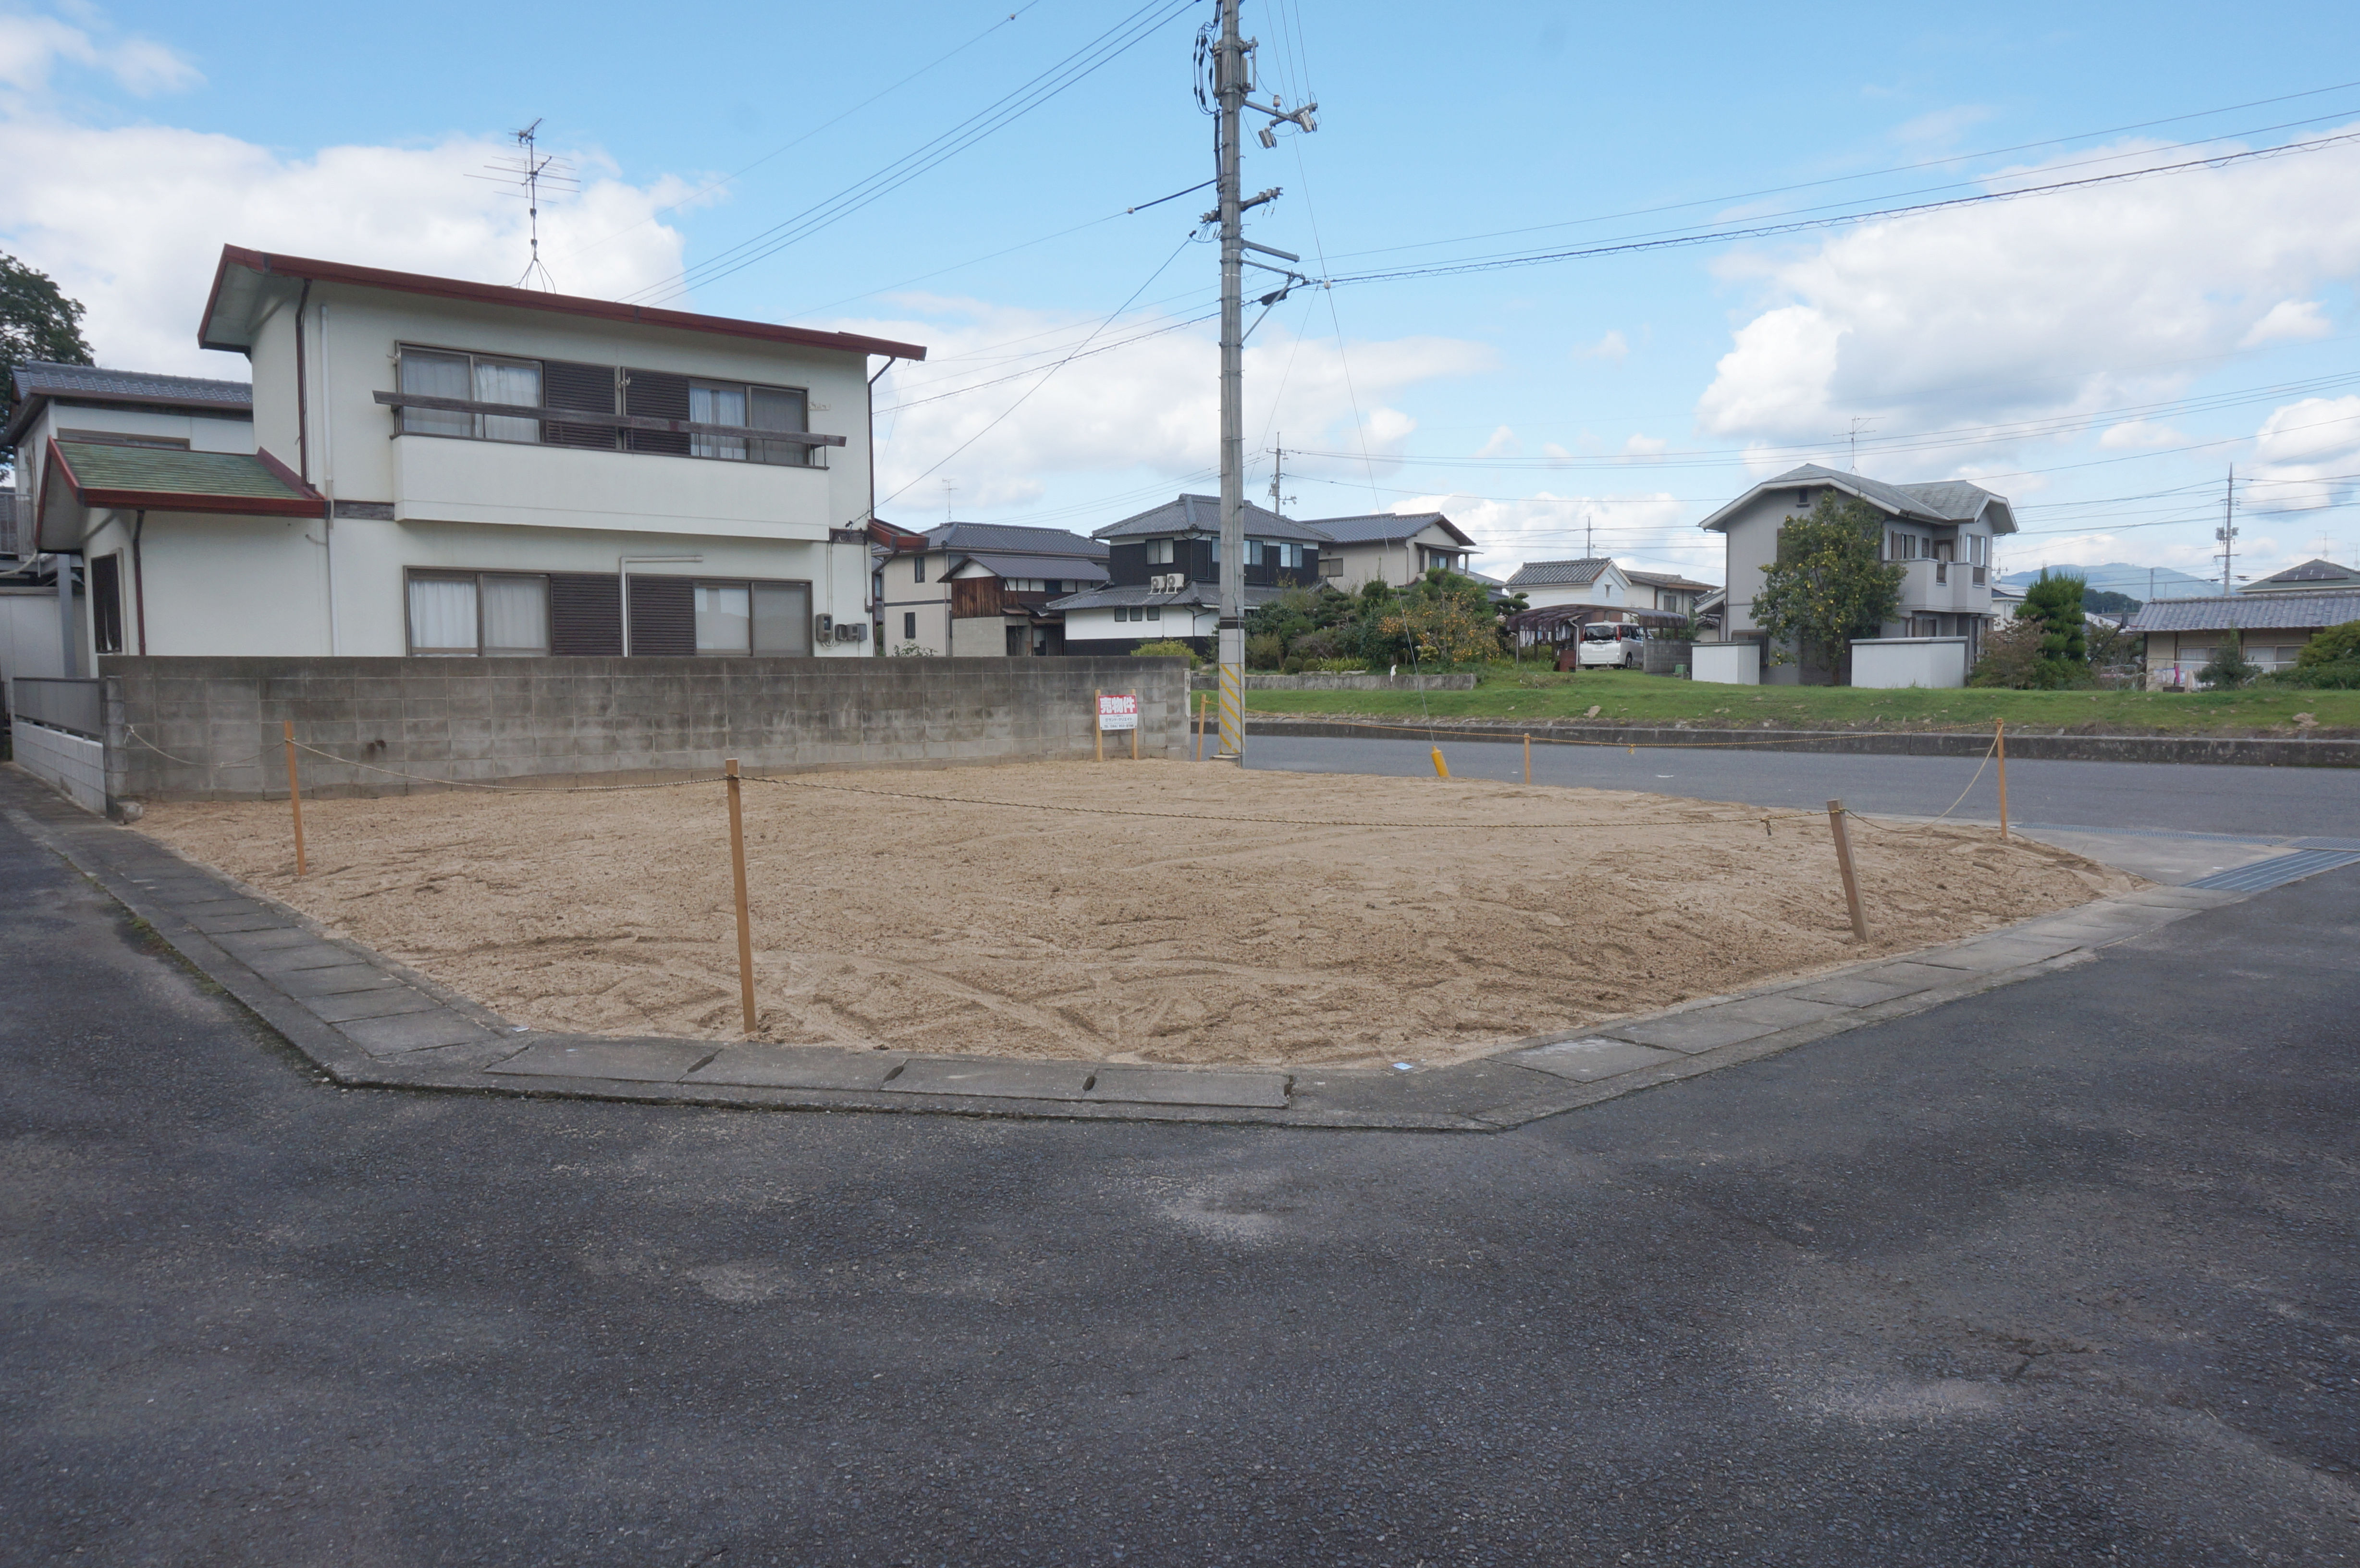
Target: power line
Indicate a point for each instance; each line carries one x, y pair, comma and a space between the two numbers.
1108, 46
1800, 225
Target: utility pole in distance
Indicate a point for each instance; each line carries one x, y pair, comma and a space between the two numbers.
1233, 83
2227, 532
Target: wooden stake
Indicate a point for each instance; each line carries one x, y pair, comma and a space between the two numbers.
1204, 700
294, 792
1134, 724
1528, 759
1098, 724
1999, 743
1843, 864
745, 922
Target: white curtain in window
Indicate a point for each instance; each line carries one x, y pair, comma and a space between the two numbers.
515, 615
442, 614
433, 375
508, 381
717, 406
723, 618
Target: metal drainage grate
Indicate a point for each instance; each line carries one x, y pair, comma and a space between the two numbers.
2276, 871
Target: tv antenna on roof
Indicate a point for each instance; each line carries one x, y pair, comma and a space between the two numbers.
1860, 424
530, 171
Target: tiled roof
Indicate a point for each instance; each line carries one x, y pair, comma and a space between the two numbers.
2261, 612
1559, 574
1942, 501
106, 474
1063, 568
1206, 596
1202, 514
42, 377
1384, 527
2325, 571
1007, 539
1668, 580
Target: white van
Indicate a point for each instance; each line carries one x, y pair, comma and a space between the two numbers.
1612, 647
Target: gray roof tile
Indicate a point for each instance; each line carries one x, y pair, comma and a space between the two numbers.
1202, 514
41, 378
2260, 612
1559, 574
1009, 538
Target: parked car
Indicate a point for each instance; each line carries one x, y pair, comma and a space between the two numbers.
1612, 647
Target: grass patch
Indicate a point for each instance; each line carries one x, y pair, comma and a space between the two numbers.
1623, 697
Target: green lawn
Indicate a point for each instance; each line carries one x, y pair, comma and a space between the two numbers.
1621, 697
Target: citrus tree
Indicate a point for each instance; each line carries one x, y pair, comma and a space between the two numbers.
1829, 584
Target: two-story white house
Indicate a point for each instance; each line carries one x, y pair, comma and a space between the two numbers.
1392, 548
1940, 533
439, 467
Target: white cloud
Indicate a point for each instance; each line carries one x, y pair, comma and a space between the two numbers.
1644, 446
2289, 320
2308, 452
2133, 435
1152, 405
131, 222
1613, 346
32, 45
1503, 443
1941, 126
2001, 311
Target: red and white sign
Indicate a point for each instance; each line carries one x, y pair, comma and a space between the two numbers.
1118, 710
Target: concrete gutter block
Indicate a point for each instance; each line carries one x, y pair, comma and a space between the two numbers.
630, 1060
1003, 1080
1850, 991
799, 1067
1705, 1028
1989, 956
1588, 1060
1913, 976
298, 957
413, 1031
245, 945
351, 1006
1188, 1086
334, 980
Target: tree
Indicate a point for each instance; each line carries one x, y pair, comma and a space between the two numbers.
2228, 667
1829, 584
2333, 646
2011, 658
2106, 601
2055, 603
36, 322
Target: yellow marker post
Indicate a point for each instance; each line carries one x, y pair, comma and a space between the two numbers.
1441, 768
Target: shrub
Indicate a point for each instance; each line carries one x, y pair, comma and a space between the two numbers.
2228, 668
2011, 658
1169, 647
1336, 666
1265, 651
2054, 603
2338, 675
1327, 643
2336, 645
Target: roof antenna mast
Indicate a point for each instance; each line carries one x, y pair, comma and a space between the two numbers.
530, 172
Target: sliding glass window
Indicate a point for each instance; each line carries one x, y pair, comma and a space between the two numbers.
500, 615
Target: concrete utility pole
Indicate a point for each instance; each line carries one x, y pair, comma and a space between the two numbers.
1233, 83
2227, 532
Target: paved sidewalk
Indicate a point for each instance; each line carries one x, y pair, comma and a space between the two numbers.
368, 1020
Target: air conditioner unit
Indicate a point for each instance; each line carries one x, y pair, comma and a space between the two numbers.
1167, 582
822, 627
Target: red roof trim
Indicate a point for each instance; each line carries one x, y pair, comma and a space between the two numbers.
269, 265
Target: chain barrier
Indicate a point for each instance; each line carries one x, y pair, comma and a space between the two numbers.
1540, 739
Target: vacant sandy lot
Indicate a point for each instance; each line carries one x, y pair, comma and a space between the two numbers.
1255, 917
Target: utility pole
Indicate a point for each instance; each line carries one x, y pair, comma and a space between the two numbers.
2227, 532
1233, 83
1278, 496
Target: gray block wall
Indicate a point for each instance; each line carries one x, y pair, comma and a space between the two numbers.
208, 729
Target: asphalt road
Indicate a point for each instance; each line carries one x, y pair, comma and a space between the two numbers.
2190, 798
2062, 1274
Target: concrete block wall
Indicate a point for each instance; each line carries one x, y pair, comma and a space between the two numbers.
208, 728
68, 763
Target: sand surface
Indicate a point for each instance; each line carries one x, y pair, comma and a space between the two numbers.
1303, 933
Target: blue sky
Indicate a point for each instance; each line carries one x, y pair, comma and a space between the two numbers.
2100, 355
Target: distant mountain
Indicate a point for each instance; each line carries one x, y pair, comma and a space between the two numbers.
2120, 577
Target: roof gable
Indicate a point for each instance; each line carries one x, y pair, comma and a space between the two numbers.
1385, 528
1202, 514
1942, 501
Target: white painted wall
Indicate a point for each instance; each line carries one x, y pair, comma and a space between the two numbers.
28, 632
1885, 662
1171, 621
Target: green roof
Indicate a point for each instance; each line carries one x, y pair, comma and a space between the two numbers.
170, 471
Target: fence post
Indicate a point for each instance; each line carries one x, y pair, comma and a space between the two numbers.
1999, 743
1134, 724
1528, 759
1204, 700
1098, 723
745, 925
1843, 864
294, 792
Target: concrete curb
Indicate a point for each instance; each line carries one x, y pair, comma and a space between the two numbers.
401, 1030
2022, 745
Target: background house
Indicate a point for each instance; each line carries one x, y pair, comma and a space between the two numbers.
1594, 581
1389, 548
2311, 577
2182, 634
1941, 533
437, 467
1164, 575
984, 589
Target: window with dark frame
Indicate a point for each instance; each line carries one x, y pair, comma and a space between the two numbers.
909, 626
105, 582
559, 386
466, 615
918, 569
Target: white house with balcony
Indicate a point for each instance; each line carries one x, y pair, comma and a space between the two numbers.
1941, 534
438, 467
